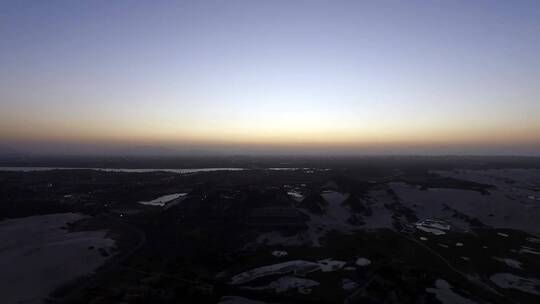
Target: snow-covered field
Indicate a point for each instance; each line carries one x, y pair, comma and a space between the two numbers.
510, 203
38, 255
499, 209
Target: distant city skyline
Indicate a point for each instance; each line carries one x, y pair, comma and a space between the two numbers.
270, 77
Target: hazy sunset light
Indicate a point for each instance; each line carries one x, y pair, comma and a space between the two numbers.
366, 77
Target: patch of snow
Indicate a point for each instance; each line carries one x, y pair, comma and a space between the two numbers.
328, 265
502, 234
430, 230
347, 284
286, 169
444, 293
280, 268
509, 280
533, 240
296, 195
441, 225
433, 226
423, 238
509, 262
298, 267
162, 200
458, 244
363, 262
279, 254
525, 249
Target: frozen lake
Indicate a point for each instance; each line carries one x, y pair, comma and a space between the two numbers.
179, 171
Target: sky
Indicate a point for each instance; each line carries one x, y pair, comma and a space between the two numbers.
327, 77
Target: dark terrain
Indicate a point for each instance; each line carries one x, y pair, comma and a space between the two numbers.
336, 230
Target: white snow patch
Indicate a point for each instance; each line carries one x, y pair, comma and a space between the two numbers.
509, 262
328, 265
280, 268
298, 267
423, 238
458, 244
525, 249
162, 200
296, 195
430, 230
502, 234
279, 254
533, 240
363, 262
433, 226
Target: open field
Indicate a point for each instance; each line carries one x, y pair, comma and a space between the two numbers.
431, 233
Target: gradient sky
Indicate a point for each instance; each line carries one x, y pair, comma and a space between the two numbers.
366, 77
